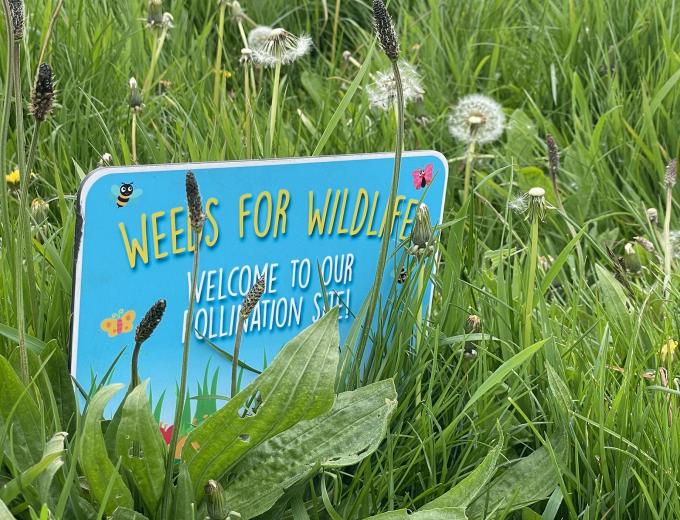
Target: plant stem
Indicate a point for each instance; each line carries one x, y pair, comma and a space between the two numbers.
134, 137
274, 109
531, 281
179, 405
217, 86
154, 60
134, 376
469, 159
336, 23
234, 361
23, 210
419, 328
382, 259
667, 242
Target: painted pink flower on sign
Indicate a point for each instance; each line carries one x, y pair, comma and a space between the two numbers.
422, 177
166, 432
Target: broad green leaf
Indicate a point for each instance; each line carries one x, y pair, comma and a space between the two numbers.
140, 445
298, 385
465, 491
521, 137
97, 467
20, 419
183, 504
54, 445
5, 513
123, 513
349, 432
531, 479
14, 487
448, 513
613, 295
559, 390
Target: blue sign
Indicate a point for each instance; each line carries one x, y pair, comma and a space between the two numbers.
279, 218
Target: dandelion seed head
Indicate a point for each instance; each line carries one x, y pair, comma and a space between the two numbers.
383, 92
519, 204
281, 46
537, 192
258, 35
477, 117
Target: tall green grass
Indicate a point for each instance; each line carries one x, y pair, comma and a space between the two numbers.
601, 76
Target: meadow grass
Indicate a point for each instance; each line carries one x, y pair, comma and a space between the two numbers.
600, 76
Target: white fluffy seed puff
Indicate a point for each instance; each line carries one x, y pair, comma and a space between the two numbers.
271, 46
383, 92
477, 117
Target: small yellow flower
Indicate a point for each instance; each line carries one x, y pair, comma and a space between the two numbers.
668, 349
226, 74
13, 177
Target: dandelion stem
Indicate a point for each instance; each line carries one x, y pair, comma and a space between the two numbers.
531, 280
179, 405
234, 361
419, 330
274, 109
469, 159
382, 259
134, 137
217, 87
668, 252
158, 47
336, 23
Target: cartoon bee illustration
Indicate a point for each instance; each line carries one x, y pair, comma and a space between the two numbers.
125, 193
120, 322
422, 177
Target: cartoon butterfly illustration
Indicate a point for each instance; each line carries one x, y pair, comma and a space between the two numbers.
422, 177
120, 322
125, 193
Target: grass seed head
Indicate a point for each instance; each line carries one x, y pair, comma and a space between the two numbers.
253, 297
149, 322
671, 174
477, 118
194, 203
17, 18
382, 93
42, 96
384, 29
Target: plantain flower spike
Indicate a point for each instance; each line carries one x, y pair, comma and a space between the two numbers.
42, 96
384, 29
150, 321
194, 203
253, 297
17, 18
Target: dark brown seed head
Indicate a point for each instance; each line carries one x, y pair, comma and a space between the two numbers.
384, 29
194, 203
253, 296
671, 173
149, 322
17, 18
42, 97
553, 156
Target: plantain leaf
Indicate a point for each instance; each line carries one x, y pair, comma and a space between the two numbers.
57, 372
20, 420
123, 513
14, 487
5, 514
465, 491
54, 445
448, 513
298, 385
349, 432
97, 467
531, 479
183, 505
140, 445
